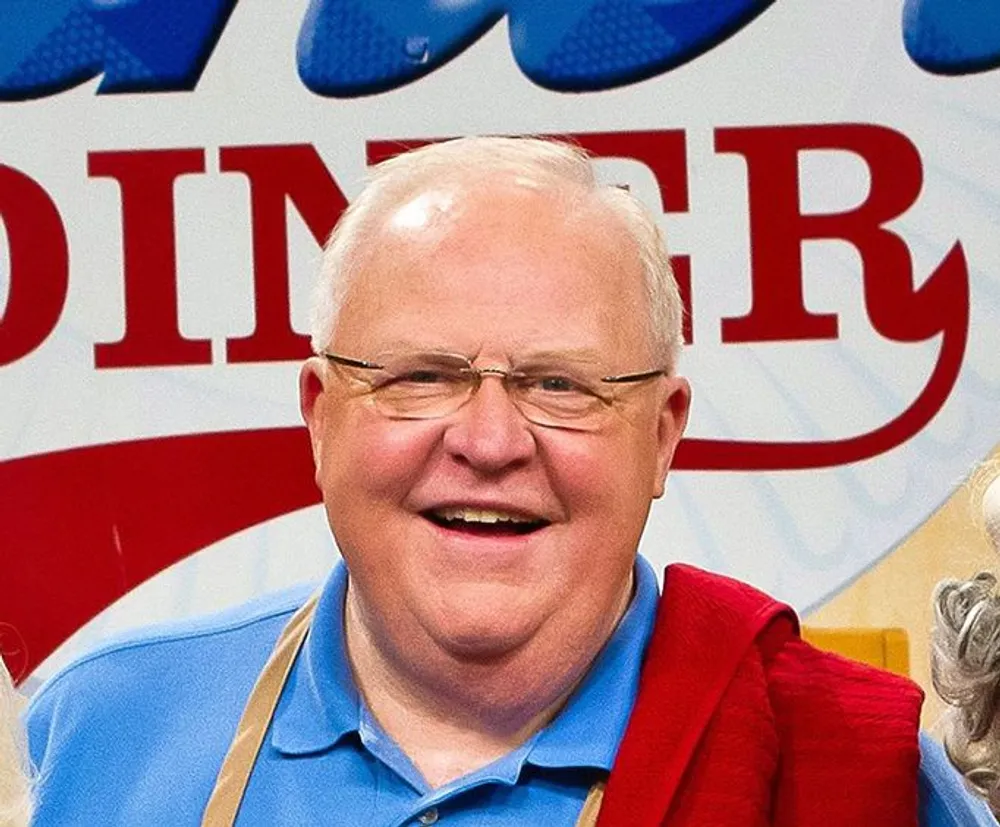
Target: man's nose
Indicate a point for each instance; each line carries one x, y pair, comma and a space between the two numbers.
488, 431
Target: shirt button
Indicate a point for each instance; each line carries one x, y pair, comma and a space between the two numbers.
429, 817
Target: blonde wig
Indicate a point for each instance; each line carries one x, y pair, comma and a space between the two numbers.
965, 657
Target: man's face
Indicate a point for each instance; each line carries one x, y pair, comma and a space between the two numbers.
499, 275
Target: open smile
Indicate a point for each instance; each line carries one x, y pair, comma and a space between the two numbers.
483, 521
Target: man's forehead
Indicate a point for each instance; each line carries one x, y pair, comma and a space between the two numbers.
462, 277
453, 211
492, 216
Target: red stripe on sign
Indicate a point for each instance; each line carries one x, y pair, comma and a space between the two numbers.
82, 527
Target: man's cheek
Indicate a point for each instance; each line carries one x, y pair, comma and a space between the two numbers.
584, 469
387, 460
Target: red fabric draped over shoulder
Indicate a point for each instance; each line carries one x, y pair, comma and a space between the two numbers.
740, 722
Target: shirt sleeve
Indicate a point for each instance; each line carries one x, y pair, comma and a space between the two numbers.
944, 799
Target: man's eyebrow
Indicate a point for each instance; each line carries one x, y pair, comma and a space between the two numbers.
574, 354
579, 354
395, 345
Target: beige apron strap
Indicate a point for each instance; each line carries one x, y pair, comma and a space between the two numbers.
234, 775
592, 806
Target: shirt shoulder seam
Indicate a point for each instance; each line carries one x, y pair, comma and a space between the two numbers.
287, 607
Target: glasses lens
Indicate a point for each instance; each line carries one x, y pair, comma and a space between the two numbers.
560, 397
421, 385
428, 385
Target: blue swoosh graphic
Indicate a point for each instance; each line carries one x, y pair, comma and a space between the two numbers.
348, 48
952, 37
358, 47
137, 45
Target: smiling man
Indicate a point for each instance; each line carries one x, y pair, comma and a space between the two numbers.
493, 406
491, 419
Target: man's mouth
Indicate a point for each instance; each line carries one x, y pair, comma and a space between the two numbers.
484, 521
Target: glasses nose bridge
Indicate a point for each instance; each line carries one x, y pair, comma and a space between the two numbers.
478, 374
491, 370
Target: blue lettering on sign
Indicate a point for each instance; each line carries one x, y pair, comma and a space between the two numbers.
357, 47
348, 48
47, 46
952, 38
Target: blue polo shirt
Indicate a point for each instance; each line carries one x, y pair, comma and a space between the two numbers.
134, 734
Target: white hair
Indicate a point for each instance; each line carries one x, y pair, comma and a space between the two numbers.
965, 657
475, 160
16, 789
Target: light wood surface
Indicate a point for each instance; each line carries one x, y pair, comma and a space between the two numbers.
897, 591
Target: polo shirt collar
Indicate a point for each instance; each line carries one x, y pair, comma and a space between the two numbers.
590, 727
321, 704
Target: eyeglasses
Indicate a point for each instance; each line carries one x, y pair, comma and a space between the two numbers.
429, 385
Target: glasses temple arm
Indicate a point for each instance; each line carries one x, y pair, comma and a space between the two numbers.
633, 377
351, 363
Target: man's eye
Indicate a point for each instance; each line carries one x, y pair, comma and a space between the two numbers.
419, 377
424, 377
558, 384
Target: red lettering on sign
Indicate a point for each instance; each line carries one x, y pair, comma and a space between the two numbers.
152, 335
778, 228
39, 265
114, 533
277, 175
896, 308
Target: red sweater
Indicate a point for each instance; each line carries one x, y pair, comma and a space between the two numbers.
739, 722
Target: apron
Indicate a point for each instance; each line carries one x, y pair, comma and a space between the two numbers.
234, 775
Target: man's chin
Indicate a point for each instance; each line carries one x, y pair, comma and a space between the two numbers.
483, 640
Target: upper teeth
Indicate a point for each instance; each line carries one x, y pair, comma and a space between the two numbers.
480, 515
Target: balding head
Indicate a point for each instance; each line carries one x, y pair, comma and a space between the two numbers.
454, 169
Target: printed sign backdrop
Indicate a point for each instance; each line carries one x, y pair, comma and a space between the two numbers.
827, 178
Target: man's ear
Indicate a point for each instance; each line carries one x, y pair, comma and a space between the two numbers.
312, 403
673, 415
